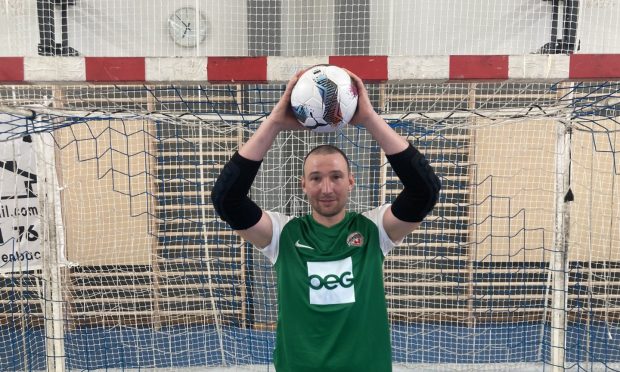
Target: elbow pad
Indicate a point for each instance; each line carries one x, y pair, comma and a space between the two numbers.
421, 185
230, 193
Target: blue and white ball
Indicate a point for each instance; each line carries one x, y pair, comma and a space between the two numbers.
324, 98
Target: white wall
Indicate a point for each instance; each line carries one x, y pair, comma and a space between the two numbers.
128, 28
601, 32
19, 34
464, 27
308, 30
398, 27
140, 28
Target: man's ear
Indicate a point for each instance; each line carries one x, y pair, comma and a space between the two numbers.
351, 181
302, 184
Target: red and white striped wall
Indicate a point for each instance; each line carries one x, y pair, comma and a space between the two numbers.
534, 67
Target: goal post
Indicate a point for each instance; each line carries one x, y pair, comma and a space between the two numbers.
278, 69
52, 252
154, 266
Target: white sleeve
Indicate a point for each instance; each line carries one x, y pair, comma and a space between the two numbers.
376, 216
278, 220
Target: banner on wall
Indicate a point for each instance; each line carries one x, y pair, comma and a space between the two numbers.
21, 246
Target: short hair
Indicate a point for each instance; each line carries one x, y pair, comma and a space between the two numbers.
326, 150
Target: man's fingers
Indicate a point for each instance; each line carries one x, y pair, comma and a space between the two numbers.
359, 83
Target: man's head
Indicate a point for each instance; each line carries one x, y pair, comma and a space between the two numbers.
327, 181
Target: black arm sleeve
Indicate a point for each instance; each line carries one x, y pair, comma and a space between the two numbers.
421, 185
230, 193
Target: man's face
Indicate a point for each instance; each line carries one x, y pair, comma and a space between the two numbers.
327, 182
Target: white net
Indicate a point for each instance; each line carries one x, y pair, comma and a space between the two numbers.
157, 280
301, 28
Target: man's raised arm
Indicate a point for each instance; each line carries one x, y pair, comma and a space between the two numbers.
230, 192
421, 184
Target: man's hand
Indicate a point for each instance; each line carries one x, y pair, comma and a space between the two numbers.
282, 114
281, 118
365, 113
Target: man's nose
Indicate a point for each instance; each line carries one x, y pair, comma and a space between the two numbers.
326, 186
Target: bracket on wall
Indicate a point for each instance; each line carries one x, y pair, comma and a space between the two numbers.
567, 44
46, 15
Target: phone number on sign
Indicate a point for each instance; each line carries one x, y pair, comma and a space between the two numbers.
29, 233
22, 233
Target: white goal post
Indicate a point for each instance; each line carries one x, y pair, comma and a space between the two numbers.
496, 255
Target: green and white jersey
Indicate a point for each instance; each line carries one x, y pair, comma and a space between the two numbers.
332, 313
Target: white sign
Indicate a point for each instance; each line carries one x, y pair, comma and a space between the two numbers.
331, 282
20, 244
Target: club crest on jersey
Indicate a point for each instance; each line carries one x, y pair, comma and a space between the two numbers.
355, 239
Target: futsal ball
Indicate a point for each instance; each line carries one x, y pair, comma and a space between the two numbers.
324, 98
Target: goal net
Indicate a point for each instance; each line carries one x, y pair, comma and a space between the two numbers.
112, 257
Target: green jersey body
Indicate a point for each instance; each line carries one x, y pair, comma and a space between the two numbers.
332, 313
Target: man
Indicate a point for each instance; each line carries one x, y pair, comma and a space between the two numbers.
332, 313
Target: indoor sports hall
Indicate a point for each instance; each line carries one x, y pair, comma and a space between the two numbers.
116, 118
